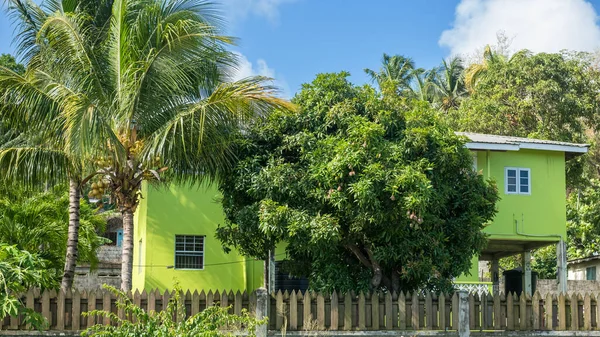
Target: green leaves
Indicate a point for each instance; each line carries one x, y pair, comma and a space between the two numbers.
20, 271
214, 321
357, 182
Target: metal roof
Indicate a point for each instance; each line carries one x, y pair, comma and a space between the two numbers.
480, 141
584, 259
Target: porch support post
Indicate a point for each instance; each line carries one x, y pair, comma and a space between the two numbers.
526, 264
495, 273
561, 266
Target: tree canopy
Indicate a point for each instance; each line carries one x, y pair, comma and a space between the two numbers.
368, 191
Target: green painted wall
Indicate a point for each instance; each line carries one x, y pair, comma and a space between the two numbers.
164, 213
541, 213
181, 211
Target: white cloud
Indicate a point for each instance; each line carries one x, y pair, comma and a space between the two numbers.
537, 25
240, 9
260, 68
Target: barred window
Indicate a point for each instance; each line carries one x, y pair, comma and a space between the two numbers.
189, 252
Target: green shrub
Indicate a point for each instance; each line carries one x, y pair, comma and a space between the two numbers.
211, 322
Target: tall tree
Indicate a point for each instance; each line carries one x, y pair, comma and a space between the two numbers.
396, 72
38, 223
154, 96
449, 84
423, 87
362, 187
29, 158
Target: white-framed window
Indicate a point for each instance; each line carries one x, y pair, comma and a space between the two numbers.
517, 180
474, 154
189, 252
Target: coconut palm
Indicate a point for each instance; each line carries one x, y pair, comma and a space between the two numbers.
146, 99
449, 85
423, 84
476, 71
32, 158
395, 71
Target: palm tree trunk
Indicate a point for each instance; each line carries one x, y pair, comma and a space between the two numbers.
127, 256
73, 235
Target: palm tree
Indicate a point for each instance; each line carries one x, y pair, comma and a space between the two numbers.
476, 71
449, 85
147, 98
396, 71
29, 158
423, 84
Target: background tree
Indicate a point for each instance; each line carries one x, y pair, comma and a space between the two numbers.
396, 72
154, 97
362, 187
38, 222
37, 156
449, 84
20, 271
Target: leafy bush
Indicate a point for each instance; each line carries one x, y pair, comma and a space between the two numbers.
20, 271
213, 321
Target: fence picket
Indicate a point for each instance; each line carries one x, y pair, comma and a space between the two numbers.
389, 321
307, 312
523, 311
510, 321
414, 305
535, 310
294, 311
280, 310
497, 314
574, 312
361, 311
347, 311
442, 311
455, 311
46, 306
320, 311
375, 310
29, 302
472, 314
428, 312
335, 315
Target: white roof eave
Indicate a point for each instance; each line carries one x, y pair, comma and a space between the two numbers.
492, 146
528, 146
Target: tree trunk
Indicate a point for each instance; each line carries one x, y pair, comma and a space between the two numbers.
127, 255
73, 235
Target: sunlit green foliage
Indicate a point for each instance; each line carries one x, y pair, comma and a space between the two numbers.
214, 321
37, 222
368, 191
20, 271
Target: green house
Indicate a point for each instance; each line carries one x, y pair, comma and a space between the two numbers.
174, 229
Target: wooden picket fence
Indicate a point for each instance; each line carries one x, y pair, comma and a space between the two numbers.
63, 310
390, 311
292, 311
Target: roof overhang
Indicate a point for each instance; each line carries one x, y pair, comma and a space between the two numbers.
484, 142
530, 146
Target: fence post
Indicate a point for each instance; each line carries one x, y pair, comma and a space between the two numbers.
262, 304
463, 314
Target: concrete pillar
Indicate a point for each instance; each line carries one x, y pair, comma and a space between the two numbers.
495, 276
463, 314
526, 265
262, 305
561, 266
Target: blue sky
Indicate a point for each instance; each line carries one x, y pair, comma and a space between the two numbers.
292, 40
